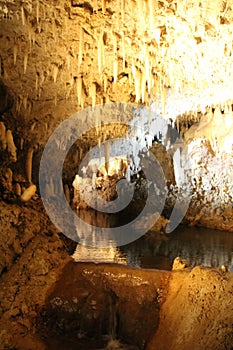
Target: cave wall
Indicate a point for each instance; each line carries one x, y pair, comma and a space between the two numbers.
60, 57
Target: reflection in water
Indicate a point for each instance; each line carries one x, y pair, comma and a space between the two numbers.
199, 246
98, 255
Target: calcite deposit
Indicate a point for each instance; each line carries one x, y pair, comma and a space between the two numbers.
157, 74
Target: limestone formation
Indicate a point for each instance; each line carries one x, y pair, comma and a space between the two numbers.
179, 264
11, 146
28, 193
2, 136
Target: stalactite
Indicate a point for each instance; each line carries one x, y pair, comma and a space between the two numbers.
137, 84
68, 61
149, 117
147, 72
37, 11
122, 11
93, 94
100, 52
25, 101
143, 86
163, 100
28, 165
37, 81
29, 107
134, 74
80, 153
54, 30
30, 38
105, 83
123, 51
151, 12
107, 155
97, 121
21, 142
33, 37
107, 99
22, 15
99, 142
115, 70
79, 90
5, 74
103, 6
55, 100
67, 193
178, 124
55, 73
15, 51
80, 54
25, 62
3, 136
28, 193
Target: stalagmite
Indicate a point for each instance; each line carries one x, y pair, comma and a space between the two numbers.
11, 145
28, 165
2, 136
9, 177
28, 193
15, 51
17, 189
224, 268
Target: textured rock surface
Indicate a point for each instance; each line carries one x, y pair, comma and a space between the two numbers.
197, 313
32, 255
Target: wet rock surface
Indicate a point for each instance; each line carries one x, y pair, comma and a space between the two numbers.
91, 301
189, 309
